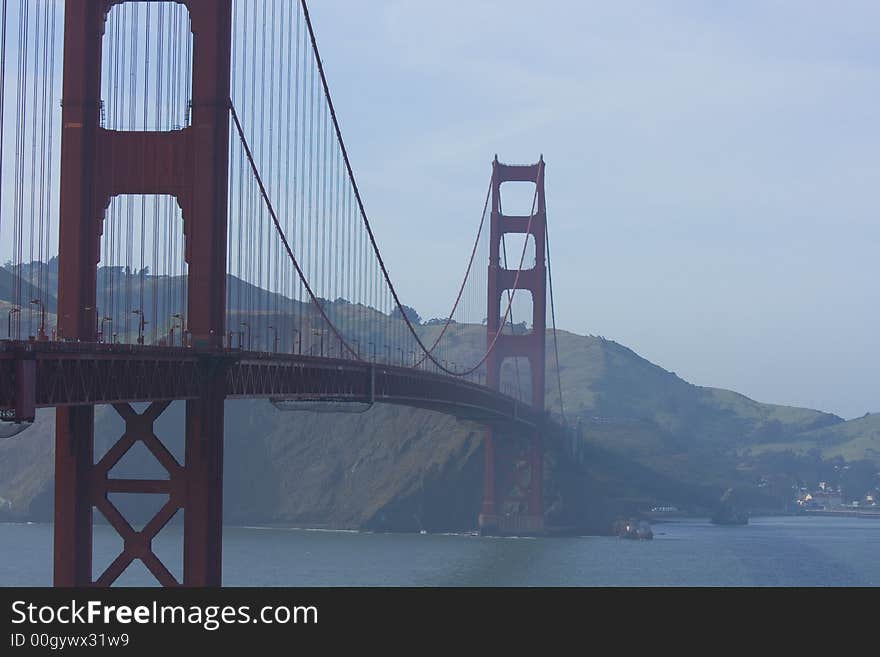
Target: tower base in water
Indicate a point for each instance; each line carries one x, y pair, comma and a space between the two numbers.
519, 525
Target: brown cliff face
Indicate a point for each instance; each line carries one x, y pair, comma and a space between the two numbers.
390, 468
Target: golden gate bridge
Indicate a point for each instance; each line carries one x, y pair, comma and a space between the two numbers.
212, 243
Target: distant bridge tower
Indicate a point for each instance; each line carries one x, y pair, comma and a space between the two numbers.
513, 480
192, 165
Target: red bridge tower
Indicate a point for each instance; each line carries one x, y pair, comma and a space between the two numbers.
513, 481
192, 165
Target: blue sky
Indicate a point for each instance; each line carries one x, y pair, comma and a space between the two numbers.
713, 170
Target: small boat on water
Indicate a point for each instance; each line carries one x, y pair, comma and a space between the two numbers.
633, 529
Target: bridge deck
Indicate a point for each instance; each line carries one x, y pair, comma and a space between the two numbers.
37, 374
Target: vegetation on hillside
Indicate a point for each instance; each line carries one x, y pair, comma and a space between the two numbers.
648, 438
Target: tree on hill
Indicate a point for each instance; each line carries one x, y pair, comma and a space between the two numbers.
411, 314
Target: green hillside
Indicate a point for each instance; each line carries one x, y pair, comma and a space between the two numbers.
603, 378
649, 438
852, 440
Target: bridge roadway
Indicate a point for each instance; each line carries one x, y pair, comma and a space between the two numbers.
35, 374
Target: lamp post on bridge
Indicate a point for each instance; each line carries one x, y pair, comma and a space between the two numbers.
400, 349
319, 332
177, 316
12, 311
388, 354
41, 332
297, 341
373, 345
275, 338
105, 320
141, 324
241, 339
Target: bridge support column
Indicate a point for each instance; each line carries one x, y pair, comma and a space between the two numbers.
513, 500
190, 164
203, 531
488, 518
74, 449
77, 263
513, 496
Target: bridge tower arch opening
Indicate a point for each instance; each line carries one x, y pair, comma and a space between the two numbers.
190, 163
514, 475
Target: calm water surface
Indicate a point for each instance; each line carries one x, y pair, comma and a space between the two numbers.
781, 551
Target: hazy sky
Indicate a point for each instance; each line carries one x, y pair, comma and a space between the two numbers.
713, 170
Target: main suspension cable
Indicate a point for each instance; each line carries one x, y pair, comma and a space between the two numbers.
368, 227
553, 319
280, 231
464, 280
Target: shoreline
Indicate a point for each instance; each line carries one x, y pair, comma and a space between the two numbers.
841, 513
672, 518
831, 513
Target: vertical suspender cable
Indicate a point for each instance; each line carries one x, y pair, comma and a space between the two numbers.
290, 183
143, 233
160, 51
239, 282
129, 235
322, 205
34, 131
50, 150
298, 175
3, 12
19, 158
230, 226
273, 251
261, 150
44, 157
252, 210
303, 217
310, 239
187, 81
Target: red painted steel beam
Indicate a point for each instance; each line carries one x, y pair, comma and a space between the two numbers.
96, 164
147, 486
138, 544
78, 255
530, 346
76, 374
205, 221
